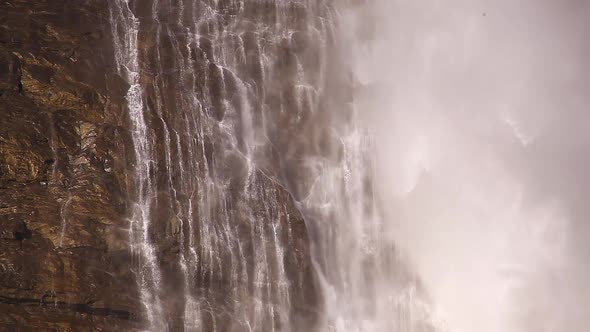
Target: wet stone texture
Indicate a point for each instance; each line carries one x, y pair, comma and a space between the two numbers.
64, 262
67, 162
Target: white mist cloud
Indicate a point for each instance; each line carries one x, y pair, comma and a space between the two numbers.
480, 111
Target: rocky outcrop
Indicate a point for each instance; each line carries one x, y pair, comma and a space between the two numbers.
64, 262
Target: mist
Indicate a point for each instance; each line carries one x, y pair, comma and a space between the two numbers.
478, 110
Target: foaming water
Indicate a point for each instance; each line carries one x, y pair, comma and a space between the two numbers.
477, 111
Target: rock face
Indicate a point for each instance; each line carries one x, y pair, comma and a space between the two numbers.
64, 261
67, 165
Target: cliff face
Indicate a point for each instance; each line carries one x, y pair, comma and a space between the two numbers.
67, 168
64, 260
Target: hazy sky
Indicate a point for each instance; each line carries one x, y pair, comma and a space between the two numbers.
480, 110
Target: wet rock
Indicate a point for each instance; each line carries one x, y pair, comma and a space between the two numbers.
206, 46
55, 74
217, 91
67, 161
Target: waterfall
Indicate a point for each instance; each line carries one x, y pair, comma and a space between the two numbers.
367, 282
219, 243
125, 35
474, 118
55, 165
243, 117
64, 219
307, 165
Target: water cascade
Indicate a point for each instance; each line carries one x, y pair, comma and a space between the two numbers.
64, 220
209, 84
477, 113
294, 165
293, 169
125, 33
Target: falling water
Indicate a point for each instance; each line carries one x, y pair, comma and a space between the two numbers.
125, 35
53, 144
474, 109
212, 220
231, 104
64, 219
367, 283
54, 179
246, 116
